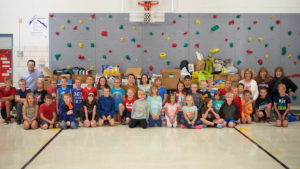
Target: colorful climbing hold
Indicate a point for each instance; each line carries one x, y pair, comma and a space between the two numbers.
62, 27
92, 68
186, 45
290, 56
231, 44
197, 21
121, 27
249, 28
271, 16
150, 67
110, 16
295, 62
283, 50
254, 22
214, 50
249, 51
80, 21
214, 16
174, 21
272, 28
168, 39
294, 97
104, 57
138, 45
214, 28
185, 33
87, 28
93, 16
51, 15
238, 28
260, 39
80, 45
266, 45
163, 33
57, 56
57, 33
69, 67
109, 51
260, 61
127, 57
226, 39
69, 21
197, 45
289, 44
231, 22
238, 16
104, 33
238, 62
277, 21
81, 57
75, 27
168, 62
133, 40
197, 33
249, 39
266, 57
179, 16
174, 45
121, 39
69, 45
299, 57
133, 27
145, 51
151, 33
163, 55
92, 45
289, 33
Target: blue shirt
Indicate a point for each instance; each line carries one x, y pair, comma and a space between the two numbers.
118, 96
146, 89
217, 105
212, 91
61, 93
77, 100
31, 78
155, 104
282, 103
23, 94
106, 106
161, 92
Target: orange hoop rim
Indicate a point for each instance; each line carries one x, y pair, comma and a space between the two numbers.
148, 4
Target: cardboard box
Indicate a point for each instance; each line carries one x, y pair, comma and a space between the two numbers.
170, 78
48, 72
220, 77
134, 70
83, 78
234, 77
46, 82
68, 76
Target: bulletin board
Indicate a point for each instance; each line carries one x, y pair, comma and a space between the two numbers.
5, 64
250, 40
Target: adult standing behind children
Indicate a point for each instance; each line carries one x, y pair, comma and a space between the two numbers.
31, 75
279, 77
249, 83
263, 79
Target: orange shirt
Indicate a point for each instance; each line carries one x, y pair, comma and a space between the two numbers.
246, 111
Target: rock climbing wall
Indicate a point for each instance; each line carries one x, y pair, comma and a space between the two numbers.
250, 40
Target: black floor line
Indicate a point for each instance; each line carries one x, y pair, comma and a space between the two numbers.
37, 153
259, 146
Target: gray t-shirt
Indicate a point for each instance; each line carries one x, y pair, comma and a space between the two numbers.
30, 111
140, 110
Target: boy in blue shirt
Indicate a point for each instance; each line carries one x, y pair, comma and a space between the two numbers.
106, 108
67, 113
119, 95
77, 99
20, 99
282, 105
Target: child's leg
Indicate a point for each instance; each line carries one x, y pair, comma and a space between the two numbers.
25, 125
111, 122
44, 125
175, 123
151, 121
68, 123
93, 123
19, 117
285, 123
34, 124
100, 122
86, 123
127, 120
185, 123
278, 123
8, 105
168, 121
248, 119
63, 124
231, 124
268, 111
244, 120
73, 124
133, 123
159, 121
143, 123
121, 109
56, 125
219, 121
260, 114
204, 121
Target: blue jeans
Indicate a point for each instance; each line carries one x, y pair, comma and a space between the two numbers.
184, 122
152, 122
19, 107
63, 124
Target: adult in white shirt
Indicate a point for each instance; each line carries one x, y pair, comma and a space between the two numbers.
249, 83
31, 75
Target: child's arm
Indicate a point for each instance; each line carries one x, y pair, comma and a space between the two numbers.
57, 101
53, 117
286, 111
276, 110
185, 117
195, 118
217, 116
44, 118
158, 114
19, 99
70, 112
249, 109
24, 113
112, 110
85, 112
8, 98
94, 113
205, 114
71, 95
35, 113
165, 98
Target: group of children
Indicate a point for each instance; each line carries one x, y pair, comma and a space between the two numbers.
145, 104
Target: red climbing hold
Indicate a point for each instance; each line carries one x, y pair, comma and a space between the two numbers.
93, 16
174, 21
150, 67
260, 61
163, 33
57, 33
249, 51
104, 33
197, 45
80, 57
226, 39
109, 51
185, 33
75, 27
138, 45
214, 16
174, 45
277, 21
295, 62
231, 22
145, 51
254, 22
238, 28
51, 15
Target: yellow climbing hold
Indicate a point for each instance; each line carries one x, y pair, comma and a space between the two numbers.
80, 45
62, 27
260, 39
80, 21
272, 17
121, 39
249, 39
163, 55
92, 68
214, 50
69, 67
266, 57
133, 28
289, 56
168, 39
197, 21
289, 44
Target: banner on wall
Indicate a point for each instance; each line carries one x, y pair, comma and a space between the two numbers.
38, 27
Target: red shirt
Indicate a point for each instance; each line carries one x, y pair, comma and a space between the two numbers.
4, 93
47, 111
128, 104
85, 91
224, 91
53, 93
237, 100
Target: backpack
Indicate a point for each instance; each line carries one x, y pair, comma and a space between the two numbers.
185, 64
218, 66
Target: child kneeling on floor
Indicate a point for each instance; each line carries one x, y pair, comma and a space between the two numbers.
106, 108
47, 114
229, 111
190, 114
155, 104
140, 111
171, 108
30, 112
67, 113
210, 117
90, 104
246, 107
125, 108
282, 104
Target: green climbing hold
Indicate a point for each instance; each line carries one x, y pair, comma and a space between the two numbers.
57, 56
121, 27
299, 56
68, 21
294, 97
249, 28
104, 57
231, 44
266, 45
272, 28
133, 40
179, 16
289, 33
197, 33
186, 45
69, 45
110, 16
151, 33
238, 62
92, 45
87, 28
214, 28
128, 57
238, 16
168, 62
283, 50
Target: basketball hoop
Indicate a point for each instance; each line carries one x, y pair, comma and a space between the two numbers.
147, 7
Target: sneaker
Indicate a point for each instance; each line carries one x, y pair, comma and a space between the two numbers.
268, 120
19, 122
198, 127
6, 122
219, 126
204, 126
183, 126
